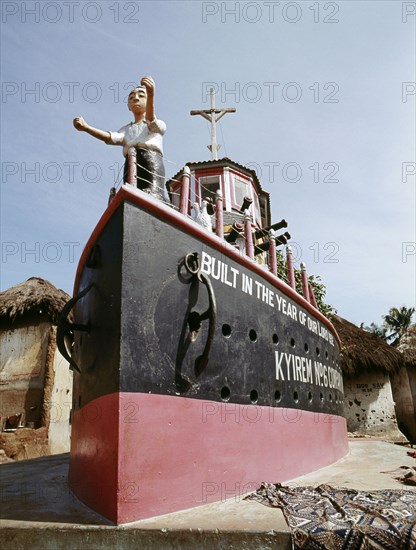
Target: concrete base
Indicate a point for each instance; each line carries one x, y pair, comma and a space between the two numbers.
39, 512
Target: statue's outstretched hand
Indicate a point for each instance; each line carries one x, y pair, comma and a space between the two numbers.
149, 84
80, 123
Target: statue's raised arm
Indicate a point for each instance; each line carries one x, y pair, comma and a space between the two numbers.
149, 84
144, 134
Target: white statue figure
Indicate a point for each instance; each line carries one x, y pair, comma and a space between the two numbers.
144, 134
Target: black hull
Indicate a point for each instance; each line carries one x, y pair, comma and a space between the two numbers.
191, 388
270, 347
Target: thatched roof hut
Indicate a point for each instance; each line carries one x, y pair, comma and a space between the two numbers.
363, 351
35, 378
407, 346
33, 298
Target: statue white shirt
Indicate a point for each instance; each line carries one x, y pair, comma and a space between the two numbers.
146, 135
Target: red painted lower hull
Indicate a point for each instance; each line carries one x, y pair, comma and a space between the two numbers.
138, 455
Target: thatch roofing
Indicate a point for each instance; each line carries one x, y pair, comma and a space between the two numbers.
34, 298
364, 351
407, 346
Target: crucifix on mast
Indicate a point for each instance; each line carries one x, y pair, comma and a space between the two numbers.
211, 116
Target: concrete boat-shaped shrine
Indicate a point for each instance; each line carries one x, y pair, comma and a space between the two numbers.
191, 383
198, 372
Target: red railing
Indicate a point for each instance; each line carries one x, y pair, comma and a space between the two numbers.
270, 245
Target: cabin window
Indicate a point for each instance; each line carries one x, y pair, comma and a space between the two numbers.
240, 191
209, 186
175, 196
265, 218
256, 205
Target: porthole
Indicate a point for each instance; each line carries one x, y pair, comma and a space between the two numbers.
226, 330
330, 396
326, 355
292, 342
306, 348
318, 351
295, 396
252, 335
310, 397
254, 396
225, 393
275, 339
321, 396
277, 396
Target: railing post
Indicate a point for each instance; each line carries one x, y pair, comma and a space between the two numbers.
219, 216
111, 195
248, 236
312, 296
289, 267
183, 207
132, 167
272, 253
305, 287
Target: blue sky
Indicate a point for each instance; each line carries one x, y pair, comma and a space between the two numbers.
325, 99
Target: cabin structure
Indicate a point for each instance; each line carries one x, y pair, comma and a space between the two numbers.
35, 381
403, 384
227, 198
234, 181
367, 364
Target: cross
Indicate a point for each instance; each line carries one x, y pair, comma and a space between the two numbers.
211, 116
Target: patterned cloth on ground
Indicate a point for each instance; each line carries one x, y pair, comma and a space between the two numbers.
326, 518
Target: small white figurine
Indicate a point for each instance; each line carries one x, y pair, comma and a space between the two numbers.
201, 216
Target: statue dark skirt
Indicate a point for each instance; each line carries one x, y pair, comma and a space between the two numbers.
150, 172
